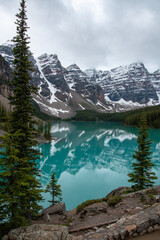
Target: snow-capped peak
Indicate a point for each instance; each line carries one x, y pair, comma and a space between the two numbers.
73, 67
8, 43
50, 60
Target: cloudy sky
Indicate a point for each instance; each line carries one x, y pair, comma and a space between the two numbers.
100, 34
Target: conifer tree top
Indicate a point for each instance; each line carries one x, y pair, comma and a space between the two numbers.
142, 175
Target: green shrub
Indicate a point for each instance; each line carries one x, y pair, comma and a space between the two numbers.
68, 222
105, 199
80, 207
149, 197
112, 201
151, 191
151, 194
128, 191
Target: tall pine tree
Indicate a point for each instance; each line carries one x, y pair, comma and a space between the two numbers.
20, 190
54, 189
142, 175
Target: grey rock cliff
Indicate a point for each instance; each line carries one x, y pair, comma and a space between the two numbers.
77, 81
130, 83
5, 77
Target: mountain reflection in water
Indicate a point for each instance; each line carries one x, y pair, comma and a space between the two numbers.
90, 159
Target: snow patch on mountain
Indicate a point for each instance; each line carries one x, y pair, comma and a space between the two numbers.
9, 43
81, 106
52, 88
50, 110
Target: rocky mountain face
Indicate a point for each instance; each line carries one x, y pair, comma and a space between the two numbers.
6, 50
129, 83
5, 77
77, 80
62, 91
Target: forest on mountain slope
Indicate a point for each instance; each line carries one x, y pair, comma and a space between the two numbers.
128, 118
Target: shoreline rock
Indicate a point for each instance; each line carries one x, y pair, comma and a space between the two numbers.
138, 213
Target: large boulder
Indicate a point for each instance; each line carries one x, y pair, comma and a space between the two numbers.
94, 209
38, 232
59, 209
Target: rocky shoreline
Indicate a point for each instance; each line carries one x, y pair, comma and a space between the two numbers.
135, 214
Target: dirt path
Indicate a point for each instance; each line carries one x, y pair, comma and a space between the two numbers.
151, 236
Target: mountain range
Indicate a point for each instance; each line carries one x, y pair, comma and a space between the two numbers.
63, 91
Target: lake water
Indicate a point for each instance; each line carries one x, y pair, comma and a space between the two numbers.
91, 159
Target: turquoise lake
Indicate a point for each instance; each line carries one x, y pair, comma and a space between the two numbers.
91, 159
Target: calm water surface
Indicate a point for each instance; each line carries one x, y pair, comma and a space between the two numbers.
91, 159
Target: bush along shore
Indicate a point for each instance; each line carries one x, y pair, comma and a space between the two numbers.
119, 215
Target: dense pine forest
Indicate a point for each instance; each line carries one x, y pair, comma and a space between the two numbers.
127, 118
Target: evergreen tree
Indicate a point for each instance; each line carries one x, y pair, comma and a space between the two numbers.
3, 112
40, 128
49, 131
20, 191
55, 190
142, 175
46, 130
